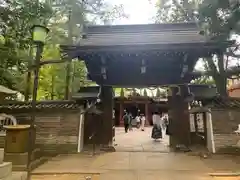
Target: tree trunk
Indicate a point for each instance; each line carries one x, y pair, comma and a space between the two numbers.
68, 78
218, 74
52, 88
221, 84
73, 77
68, 66
28, 76
28, 85
221, 78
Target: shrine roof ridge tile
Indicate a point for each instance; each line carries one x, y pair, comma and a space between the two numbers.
169, 33
224, 103
139, 27
41, 105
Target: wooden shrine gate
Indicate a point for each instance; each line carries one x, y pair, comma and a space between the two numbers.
145, 55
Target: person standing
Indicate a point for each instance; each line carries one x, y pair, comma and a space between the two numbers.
130, 121
157, 126
166, 123
126, 120
138, 121
142, 119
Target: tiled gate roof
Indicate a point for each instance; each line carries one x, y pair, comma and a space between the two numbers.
218, 102
226, 103
142, 34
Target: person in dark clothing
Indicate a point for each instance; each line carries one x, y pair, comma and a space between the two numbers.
126, 120
130, 122
157, 126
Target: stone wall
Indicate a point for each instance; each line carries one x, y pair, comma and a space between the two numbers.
225, 122
56, 131
2, 141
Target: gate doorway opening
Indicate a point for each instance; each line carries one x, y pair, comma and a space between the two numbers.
140, 141
135, 139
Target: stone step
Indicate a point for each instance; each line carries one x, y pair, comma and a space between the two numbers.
33, 165
5, 170
38, 162
17, 176
2, 141
21, 158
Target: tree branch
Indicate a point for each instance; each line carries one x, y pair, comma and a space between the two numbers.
176, 3
212, 68
232, 54
229, 72
49, 62
53, 62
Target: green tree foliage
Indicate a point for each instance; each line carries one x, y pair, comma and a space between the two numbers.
16, 20
72, 16
219, 19
65, 19
68, 22
203, 80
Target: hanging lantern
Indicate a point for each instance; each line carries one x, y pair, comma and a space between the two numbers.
143, 67
169, 92
158, 94
185, 68
178, 89
104, 76
122, 92
134, 92
2, 40
103, 70
145, 92
39, 34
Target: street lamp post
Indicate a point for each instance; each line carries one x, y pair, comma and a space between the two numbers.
39, 34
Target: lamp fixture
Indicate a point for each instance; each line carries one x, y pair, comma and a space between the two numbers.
143, 67
39, 34
2, 40
103, 70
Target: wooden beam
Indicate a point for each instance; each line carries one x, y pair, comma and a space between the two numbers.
133, 101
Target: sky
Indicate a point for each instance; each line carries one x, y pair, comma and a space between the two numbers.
139, 11
142, 12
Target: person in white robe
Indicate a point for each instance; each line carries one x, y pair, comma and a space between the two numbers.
143, 119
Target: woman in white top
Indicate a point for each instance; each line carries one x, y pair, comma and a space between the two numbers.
138, 121
157, 120
142, 118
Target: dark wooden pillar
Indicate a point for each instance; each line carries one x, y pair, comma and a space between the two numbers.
121, 113
121, 107
147, 122
179, 124
107, 115
146, 112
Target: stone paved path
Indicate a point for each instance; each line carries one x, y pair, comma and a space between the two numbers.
138, 157
130, 177
134, 166
139, 141
136, 161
